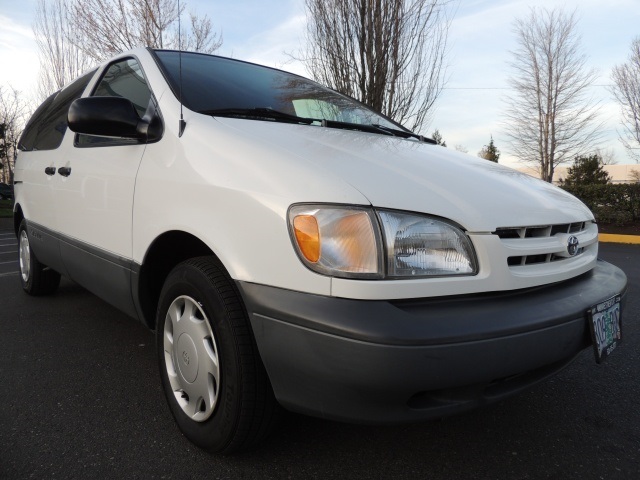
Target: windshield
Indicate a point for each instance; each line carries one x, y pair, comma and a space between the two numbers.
213, 85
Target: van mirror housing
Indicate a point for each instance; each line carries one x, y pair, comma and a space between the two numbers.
106, 117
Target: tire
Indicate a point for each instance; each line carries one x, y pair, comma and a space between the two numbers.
37, 279
212, 375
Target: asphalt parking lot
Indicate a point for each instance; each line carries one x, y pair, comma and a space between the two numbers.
8, 249
80, 398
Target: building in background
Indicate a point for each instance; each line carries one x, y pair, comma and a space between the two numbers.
618, 173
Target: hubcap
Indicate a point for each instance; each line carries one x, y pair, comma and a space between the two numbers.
191, 358
25, 256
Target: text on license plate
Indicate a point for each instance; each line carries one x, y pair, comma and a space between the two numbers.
605, 325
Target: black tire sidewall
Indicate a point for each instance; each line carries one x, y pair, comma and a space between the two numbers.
218, 430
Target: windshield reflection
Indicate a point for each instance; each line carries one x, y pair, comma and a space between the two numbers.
216, 83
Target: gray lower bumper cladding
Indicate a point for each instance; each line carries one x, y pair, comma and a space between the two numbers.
384, 362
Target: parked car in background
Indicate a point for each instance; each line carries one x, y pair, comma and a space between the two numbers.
6, 191
313, 254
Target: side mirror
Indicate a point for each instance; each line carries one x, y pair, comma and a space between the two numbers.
114, 117
105, 116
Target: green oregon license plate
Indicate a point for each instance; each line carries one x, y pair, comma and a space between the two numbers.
605, 322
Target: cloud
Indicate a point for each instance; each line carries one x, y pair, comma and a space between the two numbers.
260, 32
18, 56
272, 47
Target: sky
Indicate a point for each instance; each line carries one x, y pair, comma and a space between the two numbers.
470, 109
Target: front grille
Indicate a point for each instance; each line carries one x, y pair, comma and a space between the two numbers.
519, 239
536, 259
539, 231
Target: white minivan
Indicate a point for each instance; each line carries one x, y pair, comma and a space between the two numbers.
291, 247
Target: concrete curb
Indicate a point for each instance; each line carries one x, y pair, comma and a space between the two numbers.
613, 238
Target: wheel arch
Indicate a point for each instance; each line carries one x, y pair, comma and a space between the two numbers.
165, 252
18, 216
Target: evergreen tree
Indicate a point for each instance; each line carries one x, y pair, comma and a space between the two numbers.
490, 152
437, 136
587, 170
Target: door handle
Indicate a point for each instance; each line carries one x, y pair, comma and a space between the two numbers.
64, 171
50, 170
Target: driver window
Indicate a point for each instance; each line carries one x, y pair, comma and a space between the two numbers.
125, 79
122, 79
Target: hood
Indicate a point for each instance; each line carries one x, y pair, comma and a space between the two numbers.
405, 174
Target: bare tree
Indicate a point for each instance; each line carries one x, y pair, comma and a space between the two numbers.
60, 60
607, 156
73, 34
12, 116
389, 54
202, 37
626, 88
107, 27
550, 119
634, 175
461, 148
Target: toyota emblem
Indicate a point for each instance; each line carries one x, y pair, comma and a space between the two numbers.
573, 245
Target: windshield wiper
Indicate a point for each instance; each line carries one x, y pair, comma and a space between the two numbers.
265, 113
375, 128
271, 114
259, 114
362, 127
405, 134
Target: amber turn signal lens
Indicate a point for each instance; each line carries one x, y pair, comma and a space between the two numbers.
307, 236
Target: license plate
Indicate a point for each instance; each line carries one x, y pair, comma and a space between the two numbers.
606, 327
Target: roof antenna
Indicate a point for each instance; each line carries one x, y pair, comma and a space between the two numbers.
182, 124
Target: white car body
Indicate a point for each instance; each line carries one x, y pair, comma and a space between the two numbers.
229, 184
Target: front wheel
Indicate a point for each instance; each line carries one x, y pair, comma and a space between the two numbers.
211, 371
36, 278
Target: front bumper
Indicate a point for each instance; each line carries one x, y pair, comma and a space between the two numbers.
400, 361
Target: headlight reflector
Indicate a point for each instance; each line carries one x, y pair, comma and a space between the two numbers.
418, 245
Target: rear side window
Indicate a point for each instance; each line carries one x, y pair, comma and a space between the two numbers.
28, 137
48, 124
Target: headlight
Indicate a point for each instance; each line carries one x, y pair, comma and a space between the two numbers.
419, 246
358, 242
